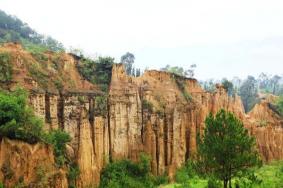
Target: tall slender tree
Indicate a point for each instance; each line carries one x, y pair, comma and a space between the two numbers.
226, 147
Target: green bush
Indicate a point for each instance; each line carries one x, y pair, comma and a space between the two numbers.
58, 139
147, 105
279, 105
213, 183
73, 174
186, 173
5, 67
180, 82
101, 105
17, 120
97, 71
125, 173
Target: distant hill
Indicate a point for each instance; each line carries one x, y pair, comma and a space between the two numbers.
12, 29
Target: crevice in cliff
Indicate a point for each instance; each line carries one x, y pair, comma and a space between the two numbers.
187, 134
156, 131
91, 121
140, 93
109, 130
47, 108
166, 140
60, 111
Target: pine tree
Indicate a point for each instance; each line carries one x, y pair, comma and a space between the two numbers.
226, 147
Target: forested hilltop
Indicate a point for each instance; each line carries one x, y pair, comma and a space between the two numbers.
13, 29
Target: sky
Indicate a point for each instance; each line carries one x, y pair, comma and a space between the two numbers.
224, 38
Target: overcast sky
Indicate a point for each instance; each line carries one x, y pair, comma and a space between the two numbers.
225, 38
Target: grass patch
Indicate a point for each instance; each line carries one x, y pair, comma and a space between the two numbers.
270, 175
6, 68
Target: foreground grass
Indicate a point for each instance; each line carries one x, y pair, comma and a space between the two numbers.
271, 176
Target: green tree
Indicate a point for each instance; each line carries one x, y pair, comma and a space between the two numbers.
58, 139
13, 29
17, 120
229, 87
248, 92
128, 60
226, 150
97, 71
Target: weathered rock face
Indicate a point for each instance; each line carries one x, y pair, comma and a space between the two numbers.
25, 164
161, 114
71, 109
267, 126
158, 113
73, 112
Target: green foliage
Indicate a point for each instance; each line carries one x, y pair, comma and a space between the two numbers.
36, 72
13, 29
226, 148
73, 174
128, 60
39, 56
101, 105
125, 173
262, 123
279, 105
58, 84
58, 139
268, 176
17, 120
97, 71
1, 185
180, 71
147, 105
248, 92
213, 183
229, 87
186, 172
181, 85
5, 67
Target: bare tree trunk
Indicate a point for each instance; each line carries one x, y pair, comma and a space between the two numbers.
225, 183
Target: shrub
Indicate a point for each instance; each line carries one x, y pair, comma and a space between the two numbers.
180, 82
213, 183
39, 56
147, 105
17, 120
97, 71
185, 173
279, 105
5, 67
126, 173
101, 105
73, 174
58, 139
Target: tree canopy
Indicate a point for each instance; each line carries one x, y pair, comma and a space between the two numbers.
13, 29
226, 150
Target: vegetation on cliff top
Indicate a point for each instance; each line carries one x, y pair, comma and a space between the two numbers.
13, 29
97, 71
5, 67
